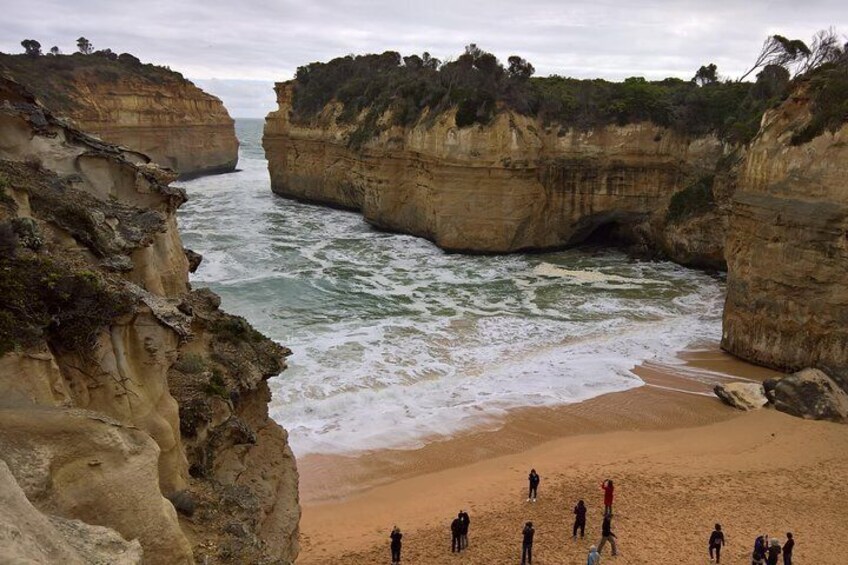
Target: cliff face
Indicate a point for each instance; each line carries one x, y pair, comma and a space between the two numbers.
787, 249
124, 393
507, 186
148, 109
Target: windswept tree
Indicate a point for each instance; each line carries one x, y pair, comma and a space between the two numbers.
85, 47
778, 50
824, 48
707, 74
32, 48
55, 50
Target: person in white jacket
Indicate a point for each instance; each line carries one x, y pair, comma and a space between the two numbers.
594, 556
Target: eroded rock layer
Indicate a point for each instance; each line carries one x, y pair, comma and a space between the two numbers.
787, 249
511, 185
149, 109
127, 400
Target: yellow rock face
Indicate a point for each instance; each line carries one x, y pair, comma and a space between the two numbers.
787, 249
508, 186
178, 126
148, 109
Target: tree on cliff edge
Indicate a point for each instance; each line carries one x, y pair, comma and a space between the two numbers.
85, 47
32, 48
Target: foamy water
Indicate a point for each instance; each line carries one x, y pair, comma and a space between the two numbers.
396, 342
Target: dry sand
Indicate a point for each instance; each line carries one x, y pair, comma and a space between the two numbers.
681, 461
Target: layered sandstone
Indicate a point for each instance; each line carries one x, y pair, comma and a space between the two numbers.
164, 405
787, 249
148, 109
511, 185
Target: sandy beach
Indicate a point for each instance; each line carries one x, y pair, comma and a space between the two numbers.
680, 459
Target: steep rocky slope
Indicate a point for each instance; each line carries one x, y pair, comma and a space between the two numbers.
787, 248
124, 394
510, 185
146, 108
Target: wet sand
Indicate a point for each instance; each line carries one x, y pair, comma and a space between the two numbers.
681, 461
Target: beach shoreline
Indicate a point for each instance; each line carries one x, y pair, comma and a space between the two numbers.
681, 460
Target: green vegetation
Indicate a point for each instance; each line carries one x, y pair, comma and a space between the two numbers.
191, 364
692, 200
827, 88
54, 78
216, 385
43, 298
477, 85
235, 330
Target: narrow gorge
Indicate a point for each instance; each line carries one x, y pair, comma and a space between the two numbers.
759, 191
133, 422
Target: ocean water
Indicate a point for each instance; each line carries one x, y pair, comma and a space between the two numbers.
397, 343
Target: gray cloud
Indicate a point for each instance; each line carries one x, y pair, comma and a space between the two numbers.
266, 40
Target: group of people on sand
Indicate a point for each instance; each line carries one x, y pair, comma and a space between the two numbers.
767, 551
607, 535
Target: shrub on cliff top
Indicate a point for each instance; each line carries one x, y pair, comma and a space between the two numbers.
477, 86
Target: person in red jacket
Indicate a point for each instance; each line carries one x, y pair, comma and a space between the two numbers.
608, 494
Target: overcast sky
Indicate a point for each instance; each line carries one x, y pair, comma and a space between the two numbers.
261, 41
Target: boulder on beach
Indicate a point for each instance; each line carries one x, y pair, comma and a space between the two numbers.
742, 395
811, 394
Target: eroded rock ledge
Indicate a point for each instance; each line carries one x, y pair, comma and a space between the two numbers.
149, 109
508, 186
131, 407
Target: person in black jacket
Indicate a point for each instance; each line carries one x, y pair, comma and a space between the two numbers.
716, 541
527, 544
579, 519
534, 479
395, 537
607, 535
463, 533
787, 549
456, 533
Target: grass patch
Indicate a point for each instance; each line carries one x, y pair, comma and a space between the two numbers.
693, 200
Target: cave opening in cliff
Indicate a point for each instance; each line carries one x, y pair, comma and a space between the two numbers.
608, 234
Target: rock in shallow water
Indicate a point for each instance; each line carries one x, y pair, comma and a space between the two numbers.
742, 396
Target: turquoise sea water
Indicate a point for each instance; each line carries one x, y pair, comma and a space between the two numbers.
395, 341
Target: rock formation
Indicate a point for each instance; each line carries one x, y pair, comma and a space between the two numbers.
787, 248
146, 108
811, 394
742, 396
127, 397
511, 185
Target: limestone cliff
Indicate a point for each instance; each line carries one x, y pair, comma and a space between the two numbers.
149, 109
510, 185
787, 248
125, 396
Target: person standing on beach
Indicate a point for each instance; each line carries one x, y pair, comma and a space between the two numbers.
773, 552
527, 544
395, 537
607, 536
787, 549
716, 541
594, 556
456, 533
608, 494
579, 520
463, 533
758, 557
534, 479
